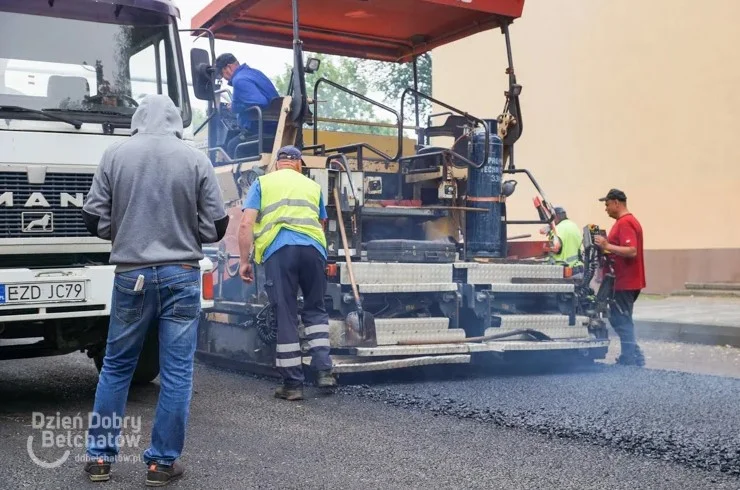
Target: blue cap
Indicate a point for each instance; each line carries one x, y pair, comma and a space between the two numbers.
289, 152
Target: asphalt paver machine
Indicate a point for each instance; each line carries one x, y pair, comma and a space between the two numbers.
432, 255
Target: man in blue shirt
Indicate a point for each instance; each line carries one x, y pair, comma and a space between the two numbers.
251, 88
284, 218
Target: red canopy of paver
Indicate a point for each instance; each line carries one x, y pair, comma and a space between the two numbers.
385, 30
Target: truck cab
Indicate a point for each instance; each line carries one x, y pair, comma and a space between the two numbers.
72, 74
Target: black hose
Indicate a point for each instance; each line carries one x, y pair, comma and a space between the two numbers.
590, 263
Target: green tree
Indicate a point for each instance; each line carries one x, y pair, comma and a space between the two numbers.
333, 103
198, 117
383, 81
391, 79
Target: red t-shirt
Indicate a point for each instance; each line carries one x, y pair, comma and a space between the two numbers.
629, 272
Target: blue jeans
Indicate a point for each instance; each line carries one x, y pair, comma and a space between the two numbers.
169, 301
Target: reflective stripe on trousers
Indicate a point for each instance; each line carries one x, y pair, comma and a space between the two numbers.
289, 268
317, 336
288, 355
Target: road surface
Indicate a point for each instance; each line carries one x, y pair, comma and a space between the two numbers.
603, 427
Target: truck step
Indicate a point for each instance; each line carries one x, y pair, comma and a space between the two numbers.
425, 324
479, 347
407, 288
554, 326
531, 288
391, 330
504, 273
390, 325
575, 332
523, 345
446, 335
354, 365
539, 321
384, 273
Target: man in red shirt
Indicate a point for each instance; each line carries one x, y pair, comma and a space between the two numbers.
624, 243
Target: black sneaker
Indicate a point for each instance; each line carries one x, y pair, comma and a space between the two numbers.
160, 475
98, 470
325, 379
290, 393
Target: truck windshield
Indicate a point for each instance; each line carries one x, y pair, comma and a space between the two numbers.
94, 71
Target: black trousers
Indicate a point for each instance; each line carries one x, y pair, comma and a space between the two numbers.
291, 267
620, 317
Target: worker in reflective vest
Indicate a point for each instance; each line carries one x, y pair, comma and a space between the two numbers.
283, 215
567, 243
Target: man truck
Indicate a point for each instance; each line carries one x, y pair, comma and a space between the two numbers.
71, 72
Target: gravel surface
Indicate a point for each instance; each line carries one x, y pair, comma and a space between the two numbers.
687, 418
241, 437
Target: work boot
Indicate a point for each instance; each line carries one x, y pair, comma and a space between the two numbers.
98, 470
290, 393
158, 475
325, 379
634, 358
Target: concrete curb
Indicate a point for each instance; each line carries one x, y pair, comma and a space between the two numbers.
688, 333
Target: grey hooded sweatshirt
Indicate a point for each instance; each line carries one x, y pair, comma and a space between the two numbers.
153, 196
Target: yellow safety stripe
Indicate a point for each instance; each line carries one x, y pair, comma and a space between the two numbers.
288, 202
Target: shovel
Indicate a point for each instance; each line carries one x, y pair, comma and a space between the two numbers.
359, 326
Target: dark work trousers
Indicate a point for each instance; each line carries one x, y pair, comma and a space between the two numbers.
288, 268
620, 317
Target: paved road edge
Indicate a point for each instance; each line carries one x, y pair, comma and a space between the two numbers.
688, 333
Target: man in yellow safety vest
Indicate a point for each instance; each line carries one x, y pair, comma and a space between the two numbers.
567, 243
283, 217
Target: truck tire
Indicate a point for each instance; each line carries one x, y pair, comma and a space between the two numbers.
147, 369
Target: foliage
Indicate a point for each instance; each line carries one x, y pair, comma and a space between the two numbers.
198, 117
392, 79
383, 82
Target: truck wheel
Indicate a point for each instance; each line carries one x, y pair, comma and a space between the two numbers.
147, 368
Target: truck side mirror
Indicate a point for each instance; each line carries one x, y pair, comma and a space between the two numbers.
201, 72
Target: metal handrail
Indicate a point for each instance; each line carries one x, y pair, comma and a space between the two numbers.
258, 110
359, 122
356, 146
454, 109
399, 118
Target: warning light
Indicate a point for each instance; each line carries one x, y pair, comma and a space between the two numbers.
207, 287
331, 270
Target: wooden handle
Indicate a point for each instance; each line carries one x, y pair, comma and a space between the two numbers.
344, 243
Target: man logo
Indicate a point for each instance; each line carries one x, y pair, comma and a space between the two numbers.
37, 222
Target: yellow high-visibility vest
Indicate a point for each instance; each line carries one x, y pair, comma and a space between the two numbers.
289, 200
570, 243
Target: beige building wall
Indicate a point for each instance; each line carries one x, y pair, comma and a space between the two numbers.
639, 95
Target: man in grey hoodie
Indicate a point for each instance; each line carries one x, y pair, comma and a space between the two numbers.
158, 201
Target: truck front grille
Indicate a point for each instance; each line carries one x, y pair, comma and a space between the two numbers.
63, 218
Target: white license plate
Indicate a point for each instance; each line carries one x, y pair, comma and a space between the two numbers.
42, 292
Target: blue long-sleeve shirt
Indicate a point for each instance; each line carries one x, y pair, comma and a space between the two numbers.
251, 87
